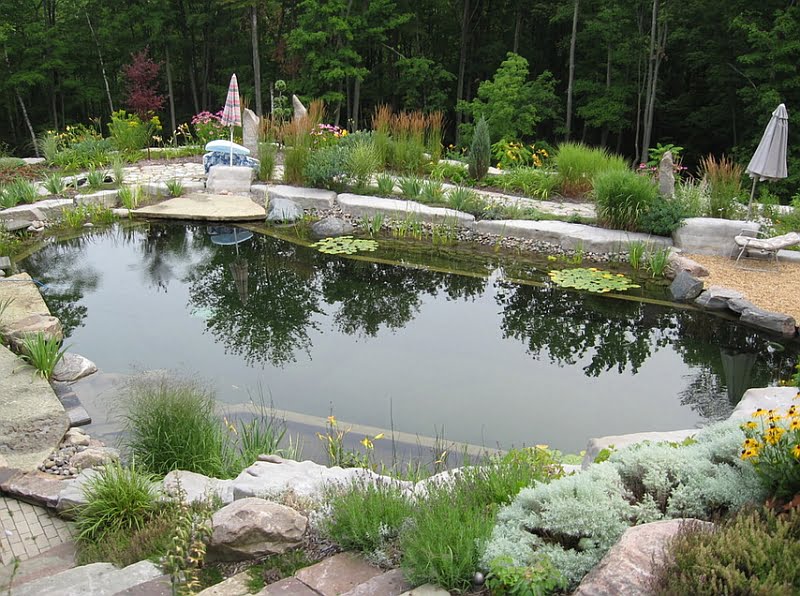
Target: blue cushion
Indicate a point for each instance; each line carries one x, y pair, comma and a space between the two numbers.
222, 146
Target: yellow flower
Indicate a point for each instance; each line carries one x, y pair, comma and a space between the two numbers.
796, 451
332, 420
794, 424
379, 436
543, 446
760, 412
774, 417
750, 424
792, 411
773, 434
748, 453
367, 443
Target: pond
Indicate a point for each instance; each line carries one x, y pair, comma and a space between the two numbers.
472, 357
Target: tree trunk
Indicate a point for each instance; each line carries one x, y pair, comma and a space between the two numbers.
647, 123
28, 124
173, 121
54, 100
256, 58
568, 124
462, 65
517, 30
604, 134
356, 101
102, 64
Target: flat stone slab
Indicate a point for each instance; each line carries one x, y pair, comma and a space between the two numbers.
36, 488
710, 236
33, 421
595, 446
51, 561
391, 583
766, 398
307, 198
338, 574
106, 198
196, 488
427, 590
570, 236
25, 299
205, 207
289, 586
235, 585
97, 578
360, 206
38, 211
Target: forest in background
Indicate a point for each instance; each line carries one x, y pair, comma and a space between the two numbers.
626, 74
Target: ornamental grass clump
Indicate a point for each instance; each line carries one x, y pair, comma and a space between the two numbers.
43, 352
623, 197
578, 165
171, 424
772, 445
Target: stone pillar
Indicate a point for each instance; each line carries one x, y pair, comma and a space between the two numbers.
666, 176
250, 124
300, 110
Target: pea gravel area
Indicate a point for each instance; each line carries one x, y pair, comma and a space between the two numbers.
778, 291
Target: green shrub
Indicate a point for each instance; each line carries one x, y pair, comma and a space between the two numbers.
19, 191
538, 183
456, 173
95, 178
117, 499
171, 424
410, 188
43, 353
692, 196
432, 192
480, 152
657, 260
578, 165
174, 187
466, 200
367, 518
127, 132
129, 196
385, 185
756, 552
574, 520
48, 147
326, 167
118, 169
622, 197
54, 184
295, 158
267, 156
662, 217
10, 163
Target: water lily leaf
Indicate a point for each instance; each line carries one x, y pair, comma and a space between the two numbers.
591, 280
344, 245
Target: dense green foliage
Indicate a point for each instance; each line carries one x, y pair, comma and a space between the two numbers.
480, 151
623, 197
506, 60
754, 553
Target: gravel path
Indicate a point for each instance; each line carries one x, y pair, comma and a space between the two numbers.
771, 290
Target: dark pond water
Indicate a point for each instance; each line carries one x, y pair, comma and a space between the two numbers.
473, 357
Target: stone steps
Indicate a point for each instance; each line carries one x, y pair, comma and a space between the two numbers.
97, 579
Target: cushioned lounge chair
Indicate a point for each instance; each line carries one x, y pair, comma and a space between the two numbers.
763, 247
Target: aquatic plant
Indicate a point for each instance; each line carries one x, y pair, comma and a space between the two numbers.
591, 279
657, 261
410, 188
54, 184
344, 245
129, 196
43, 353
385, 185
175, 187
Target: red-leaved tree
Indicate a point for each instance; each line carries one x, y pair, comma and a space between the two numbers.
142, 85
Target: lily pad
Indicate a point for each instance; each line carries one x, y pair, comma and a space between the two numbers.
344, 245
592, 280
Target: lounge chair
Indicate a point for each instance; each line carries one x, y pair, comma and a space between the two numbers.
763, 246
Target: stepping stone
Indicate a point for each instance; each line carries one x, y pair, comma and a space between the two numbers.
427, 590
391, 583
160, 586
52, 561
289, 586
338, 574
97, 578
235, 585
205, 207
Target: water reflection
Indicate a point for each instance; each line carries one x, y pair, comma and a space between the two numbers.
270, 303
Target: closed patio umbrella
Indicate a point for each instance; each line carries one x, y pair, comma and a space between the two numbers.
769, 160
232, 114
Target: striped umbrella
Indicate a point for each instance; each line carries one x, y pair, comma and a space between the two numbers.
232, 114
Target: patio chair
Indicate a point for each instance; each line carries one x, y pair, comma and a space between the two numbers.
763, 246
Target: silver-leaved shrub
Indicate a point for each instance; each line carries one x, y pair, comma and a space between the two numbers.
574, 520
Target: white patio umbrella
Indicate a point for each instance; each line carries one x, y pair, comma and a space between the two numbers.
232, 114
769, 160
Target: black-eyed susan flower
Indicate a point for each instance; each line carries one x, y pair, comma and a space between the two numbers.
773, 434
750, 425
796, 451
760, 412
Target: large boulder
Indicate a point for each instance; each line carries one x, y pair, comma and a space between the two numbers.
666, 176
678, 263
72, 367
283, 210
685, 287
711, 236
272, 476
250, 130
252, 528
196, 488
16, 332
365, 206
717, 298
229, 179
629, 567
300, 110
93, 457
765, 398
307, 198
774, 322
331, 226
595, 446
